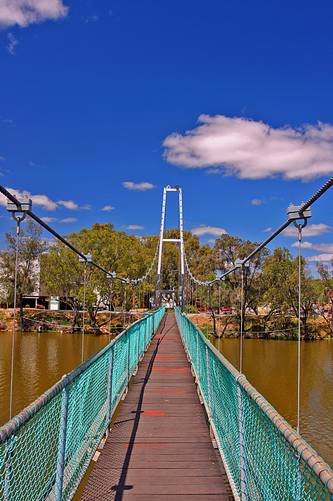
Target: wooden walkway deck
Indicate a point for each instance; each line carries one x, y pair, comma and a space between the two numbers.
159, 448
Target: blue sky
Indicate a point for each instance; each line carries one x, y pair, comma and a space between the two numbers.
93, 92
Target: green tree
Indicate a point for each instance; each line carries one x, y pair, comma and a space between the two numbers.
30, 248
228, 250
280, 275
325, 293
126, 255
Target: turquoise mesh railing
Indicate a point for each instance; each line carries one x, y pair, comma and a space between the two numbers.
265, 459
46, 449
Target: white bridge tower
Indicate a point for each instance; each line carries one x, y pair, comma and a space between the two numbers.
178, 241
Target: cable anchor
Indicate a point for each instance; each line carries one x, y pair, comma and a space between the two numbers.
86, 259
19, 212
295, 214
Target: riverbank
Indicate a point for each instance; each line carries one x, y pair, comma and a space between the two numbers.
278, 327
40, 320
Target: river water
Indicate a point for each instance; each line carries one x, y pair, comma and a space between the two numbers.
40, 361
270, 365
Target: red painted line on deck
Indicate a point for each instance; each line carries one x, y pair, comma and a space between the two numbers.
154, 412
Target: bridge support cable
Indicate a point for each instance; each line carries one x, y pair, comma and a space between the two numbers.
15, 205
18, 216
299, 227
21, 207
294, 213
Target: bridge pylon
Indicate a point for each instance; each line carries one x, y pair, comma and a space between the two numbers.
178, 241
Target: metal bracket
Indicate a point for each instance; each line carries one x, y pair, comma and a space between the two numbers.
239, 263
23, 207
111, 275
294, 213
88, 259
19, 212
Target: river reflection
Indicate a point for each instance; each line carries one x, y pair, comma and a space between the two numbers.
40, 361
271, 367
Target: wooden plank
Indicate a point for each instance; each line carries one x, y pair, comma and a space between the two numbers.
159, 447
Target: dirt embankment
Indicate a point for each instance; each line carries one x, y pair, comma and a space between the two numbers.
277, 328
38, 320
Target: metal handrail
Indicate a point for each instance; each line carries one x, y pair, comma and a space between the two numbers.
322, 470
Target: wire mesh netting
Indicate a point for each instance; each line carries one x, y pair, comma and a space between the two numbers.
264, 457
46, 449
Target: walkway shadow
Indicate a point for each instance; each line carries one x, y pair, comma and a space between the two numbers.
121, 486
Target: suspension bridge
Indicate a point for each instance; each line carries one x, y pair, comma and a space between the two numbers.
159, 413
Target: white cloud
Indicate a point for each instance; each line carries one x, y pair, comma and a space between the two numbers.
134, 227
315, 246
12, 42
253, 150
69, 204
321, 258
48, 219
268, 229
107, 208
208, 230
257, 201
68, 220
143, 186
40, 200
311, 230
25, 12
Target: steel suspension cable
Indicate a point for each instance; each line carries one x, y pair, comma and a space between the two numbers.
299, 228
241, 321
84, 309
325, 187
17, 241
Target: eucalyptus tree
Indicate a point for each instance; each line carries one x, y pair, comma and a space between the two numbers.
31, 245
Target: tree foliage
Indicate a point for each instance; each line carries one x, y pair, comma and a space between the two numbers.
30, 248
271, 280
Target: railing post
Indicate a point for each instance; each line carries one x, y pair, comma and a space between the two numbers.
208, 383
128, 355
138, 343
146, 333
62, 445
110, 382
198, 359
241, 444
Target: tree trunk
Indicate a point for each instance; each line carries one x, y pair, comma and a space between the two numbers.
75, 320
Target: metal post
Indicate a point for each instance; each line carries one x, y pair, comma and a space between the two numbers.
146, 332
62, 445
208, 383
160, 249
128, 356
241, 430
138, 331
110, 374
198, 360
182, 252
